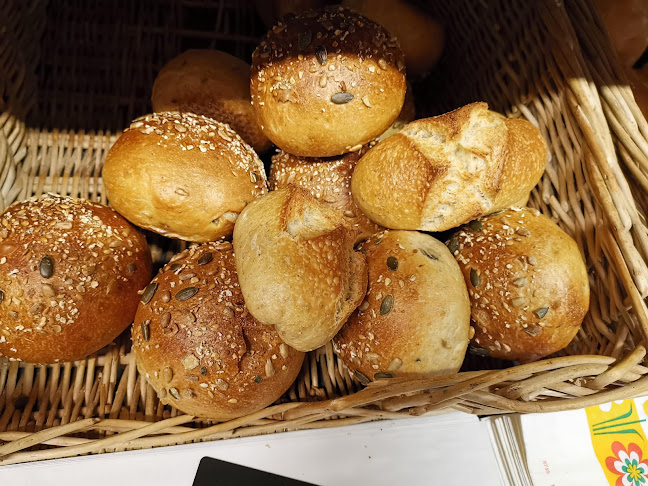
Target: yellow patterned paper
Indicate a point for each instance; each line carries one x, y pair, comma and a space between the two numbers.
618, 433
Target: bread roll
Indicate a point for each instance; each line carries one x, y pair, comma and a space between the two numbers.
407, 114
627, 25
527, 283
182, 175
419, 35
441, 172
415, 319
70, 271
214, 84
325, 83
200, 348
297, 267
328, 180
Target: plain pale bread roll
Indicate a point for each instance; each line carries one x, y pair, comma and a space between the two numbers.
297, 267
214, 84
415, 319
441, 172
419, 35
182, 175
328, 180
199, 347
527, 282
326, 82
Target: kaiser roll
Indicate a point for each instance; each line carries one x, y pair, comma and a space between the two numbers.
527, 283
297, 267
328, 180
182, 175
419, 35
326, 82
200, 348
70, 271
440, 172
214, 84
415, 319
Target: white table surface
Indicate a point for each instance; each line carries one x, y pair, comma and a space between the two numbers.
445, 449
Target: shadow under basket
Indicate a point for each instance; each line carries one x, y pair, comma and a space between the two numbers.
73, 74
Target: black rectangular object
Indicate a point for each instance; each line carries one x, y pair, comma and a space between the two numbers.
214, 472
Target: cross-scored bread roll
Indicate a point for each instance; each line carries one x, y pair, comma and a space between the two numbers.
198, 345
214, 84
438, 173
328, 180
326, 82
70, 271
527, 282
415, 319
182, 175
297, 267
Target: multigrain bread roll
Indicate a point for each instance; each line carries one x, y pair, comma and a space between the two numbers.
70, 271
326, 82
441, 172
527, 283
200, 348
328, 180
415, 319
214, 84
297, 267
627, 24
419, 35
182, 175
407, 114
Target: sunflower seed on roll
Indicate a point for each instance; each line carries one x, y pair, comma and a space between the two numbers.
441, 172
297, 266
182, 175
415, 318
70, 273
202, 351
328, 180
527, 282
326, 82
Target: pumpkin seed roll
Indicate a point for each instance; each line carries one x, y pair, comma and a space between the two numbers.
198, 345
70, 272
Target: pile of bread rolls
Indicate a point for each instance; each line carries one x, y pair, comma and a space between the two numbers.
334, 245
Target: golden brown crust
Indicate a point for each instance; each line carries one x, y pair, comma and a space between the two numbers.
415, 318
419, 35
70, 271
182, 175
441, 172
198, 345
527, 282
320, 73
297, 267
328, 180
214, 84
407, 114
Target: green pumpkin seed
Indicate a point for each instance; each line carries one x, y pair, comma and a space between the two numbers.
382, 374
475, 225
1, 295
533, 330
392, 263
341, 97
478, 351
541, 312
258, 379
146, 330
186, 293
205, 258
46, 267
132, 268
475, 278
321, 54
453, 244
174, 393
203, 371
149, 292
362, 378
174, 267
386, 305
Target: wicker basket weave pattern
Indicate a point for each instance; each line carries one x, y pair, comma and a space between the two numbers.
546, 61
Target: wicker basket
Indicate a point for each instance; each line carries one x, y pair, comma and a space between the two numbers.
73, 74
